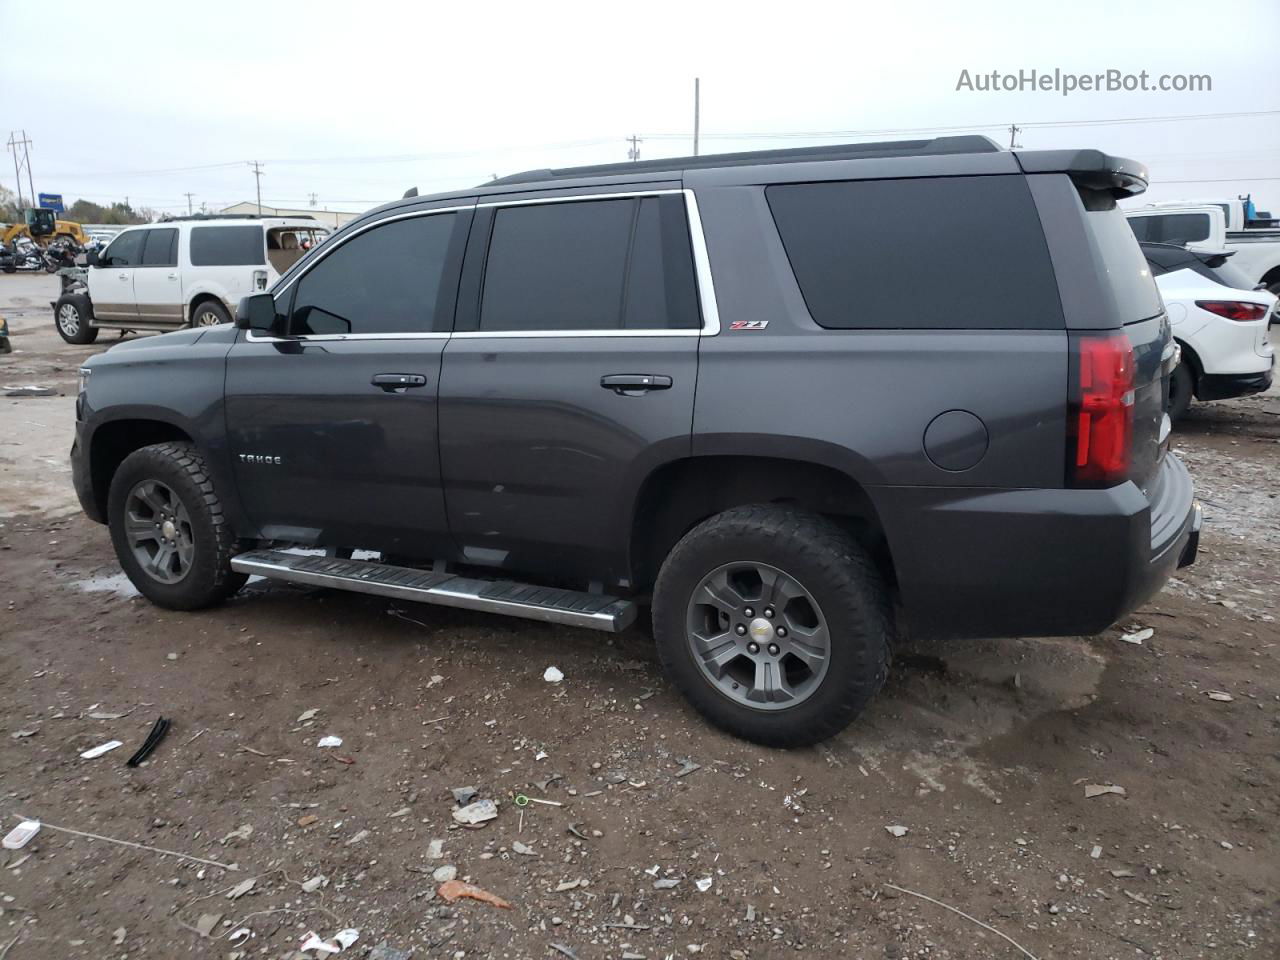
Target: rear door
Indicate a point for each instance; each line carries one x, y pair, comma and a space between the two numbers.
332, 427
157, 283
570, 376
111, 283
1197, 228
228, 260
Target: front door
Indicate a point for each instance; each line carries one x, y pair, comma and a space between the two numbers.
111, 282
332, 425
573, 378
157, 286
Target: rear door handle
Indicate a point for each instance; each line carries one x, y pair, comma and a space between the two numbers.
623, 383
391, 382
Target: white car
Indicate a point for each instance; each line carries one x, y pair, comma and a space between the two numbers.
1221, 328
187, 271
1216, 225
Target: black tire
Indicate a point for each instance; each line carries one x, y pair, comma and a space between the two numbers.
209, 313
208, 578
73, 316
1182, 384
843, 581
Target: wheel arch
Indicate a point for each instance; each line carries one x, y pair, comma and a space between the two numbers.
1193, 361
1272, 278
204, 296
114, 440
677, 495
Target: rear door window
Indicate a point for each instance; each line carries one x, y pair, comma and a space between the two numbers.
161, 248
590, 265
229, 246
934, 253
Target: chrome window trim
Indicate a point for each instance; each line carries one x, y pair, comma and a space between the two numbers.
701, 269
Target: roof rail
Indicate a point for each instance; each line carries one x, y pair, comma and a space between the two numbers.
844, 151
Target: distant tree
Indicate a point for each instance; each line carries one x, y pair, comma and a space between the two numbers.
86, 211
9, 212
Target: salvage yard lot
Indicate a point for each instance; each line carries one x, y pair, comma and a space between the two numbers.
981, 750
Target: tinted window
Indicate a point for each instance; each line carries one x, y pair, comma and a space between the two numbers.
161, 248
385, 280
1171, 227
125, 250
962, 252
1119, 258
238, 246
590, 265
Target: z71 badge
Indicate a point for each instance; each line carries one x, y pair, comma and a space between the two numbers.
748, 324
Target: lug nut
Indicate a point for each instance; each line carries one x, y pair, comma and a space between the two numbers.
768, 612
748, 612
782, 631
773, 649
741, 630
753, 647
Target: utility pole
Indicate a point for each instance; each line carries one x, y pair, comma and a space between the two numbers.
25, 144
696, 102
634, 153
1014, 130
257, 175
313, 198
189, 196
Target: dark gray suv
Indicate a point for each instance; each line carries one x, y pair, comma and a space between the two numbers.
795, 402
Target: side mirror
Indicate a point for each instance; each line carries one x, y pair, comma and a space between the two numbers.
257, 314
92, 259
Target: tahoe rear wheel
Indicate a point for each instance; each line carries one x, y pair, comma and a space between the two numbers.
774, 623
1181, 387
168, 528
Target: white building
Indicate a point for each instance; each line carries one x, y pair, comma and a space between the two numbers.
330, 218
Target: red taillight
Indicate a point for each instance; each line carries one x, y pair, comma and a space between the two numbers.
1233, 309
1101, 421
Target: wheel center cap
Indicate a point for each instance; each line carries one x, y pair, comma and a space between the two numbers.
169, 530
760, 629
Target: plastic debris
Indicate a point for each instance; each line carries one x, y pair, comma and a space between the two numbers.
315, 883
566, 951
21, 835
335, 944
1092, 790
207, 923
566, 885
23, 734
464, 795
118, 935
307, 715
452, 890
243, 933
552, 675
1220, 695
1118, 874
327, 742
524, 849
665, 883
1096, 852
94, 752
897, 830
239, 833
435, 849
241, 888
1138, 636
476, 813
687, 767
704, 884
158, 732
444, 874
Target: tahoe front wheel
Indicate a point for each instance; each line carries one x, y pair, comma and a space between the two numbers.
169, 530
775, 624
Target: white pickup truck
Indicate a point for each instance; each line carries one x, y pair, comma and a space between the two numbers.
186, 271
1214, 226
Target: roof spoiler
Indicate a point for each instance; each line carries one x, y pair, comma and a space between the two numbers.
1091, 169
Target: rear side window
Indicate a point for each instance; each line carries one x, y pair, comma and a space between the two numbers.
385, 280
1122, 267
232, 246
590, 265
940, 253
1177, 228
161, 248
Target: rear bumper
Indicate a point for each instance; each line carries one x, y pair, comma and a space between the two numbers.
1004, 563
1224, 386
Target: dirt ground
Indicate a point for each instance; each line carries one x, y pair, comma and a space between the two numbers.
983, 751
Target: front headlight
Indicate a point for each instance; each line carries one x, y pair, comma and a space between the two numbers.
82, 379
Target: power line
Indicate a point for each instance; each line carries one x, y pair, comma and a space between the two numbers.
25, 144
257, 176
633, 154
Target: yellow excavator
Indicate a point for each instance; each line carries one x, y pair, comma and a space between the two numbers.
43, 227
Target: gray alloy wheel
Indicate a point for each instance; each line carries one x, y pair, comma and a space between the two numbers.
158, 528
69, 320
758, 636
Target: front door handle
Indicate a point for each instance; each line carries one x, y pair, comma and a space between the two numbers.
123, 276
392, 382
631, 383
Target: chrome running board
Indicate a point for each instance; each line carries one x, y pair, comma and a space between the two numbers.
549, 604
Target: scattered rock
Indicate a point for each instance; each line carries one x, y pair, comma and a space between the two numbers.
207, 922
666, 883
435, 849
239, 833
552, 675
1092, 790
704, 884
464, 795
240, 889
1096, 852
358, 836
315, 883
687, 767
307, 715
897, 830
524, 849
1220, 695
384, 951
444, 874
326, 743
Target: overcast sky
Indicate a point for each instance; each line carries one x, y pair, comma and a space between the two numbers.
357, 101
